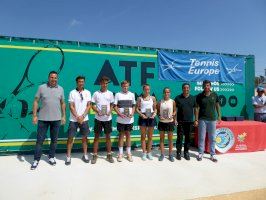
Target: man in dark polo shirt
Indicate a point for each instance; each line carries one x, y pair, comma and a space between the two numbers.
185, 104
51, 115
207, 106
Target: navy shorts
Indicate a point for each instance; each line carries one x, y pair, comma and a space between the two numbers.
102, 125
147, 122
169, 127
124, 127
73, 128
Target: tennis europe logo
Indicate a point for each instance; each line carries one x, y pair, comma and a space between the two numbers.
225, 139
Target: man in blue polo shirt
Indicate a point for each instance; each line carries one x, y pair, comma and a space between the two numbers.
51, 115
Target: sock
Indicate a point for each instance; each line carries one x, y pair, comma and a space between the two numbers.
128, 150
121, 150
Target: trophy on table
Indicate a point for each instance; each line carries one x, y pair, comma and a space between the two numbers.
148, 112
104, 109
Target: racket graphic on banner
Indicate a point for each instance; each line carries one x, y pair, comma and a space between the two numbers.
34, 76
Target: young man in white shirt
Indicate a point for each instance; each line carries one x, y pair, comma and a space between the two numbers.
259, 103
102, 103
79, 104
124, 106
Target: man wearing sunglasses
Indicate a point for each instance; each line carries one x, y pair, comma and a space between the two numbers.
79, 104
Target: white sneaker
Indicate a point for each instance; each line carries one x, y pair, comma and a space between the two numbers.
68, 161
85, 158
52, 161
199, 157
144, 156
120, 157
214, 158
34, 164
149, 156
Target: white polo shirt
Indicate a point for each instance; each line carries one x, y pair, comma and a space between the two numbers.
80, 105
101, 99
125, 100
259, 101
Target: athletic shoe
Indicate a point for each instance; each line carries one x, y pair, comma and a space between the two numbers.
110, 158
178, 156
129, 158
186, 156
171, 158
120, 157
68, 161
199, 157
94, 158
85, 158
144, 156
213, 158
161, 157
34, 165
149, 156
52, 161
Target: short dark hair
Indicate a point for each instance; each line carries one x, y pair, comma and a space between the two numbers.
124, 82
104, 78
145, 85
205, 82
184, 84
52, 72
80, 77
166, 88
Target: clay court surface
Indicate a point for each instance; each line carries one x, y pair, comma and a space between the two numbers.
235, 176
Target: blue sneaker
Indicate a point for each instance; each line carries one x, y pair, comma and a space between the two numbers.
149, 156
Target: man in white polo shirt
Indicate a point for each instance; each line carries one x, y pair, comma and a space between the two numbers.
102, 103
124, 106
259, 103
79, 105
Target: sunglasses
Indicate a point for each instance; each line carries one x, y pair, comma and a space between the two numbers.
81, 96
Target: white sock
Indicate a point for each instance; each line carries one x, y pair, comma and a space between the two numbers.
121, 150
128, 150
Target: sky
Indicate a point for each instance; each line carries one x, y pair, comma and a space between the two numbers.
224, 26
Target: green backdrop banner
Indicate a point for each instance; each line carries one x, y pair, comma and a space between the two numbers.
25, 64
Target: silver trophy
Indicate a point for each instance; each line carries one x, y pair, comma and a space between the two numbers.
165, 113
104, 109
148, 112
126, 112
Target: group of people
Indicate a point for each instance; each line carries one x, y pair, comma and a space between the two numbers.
184, 111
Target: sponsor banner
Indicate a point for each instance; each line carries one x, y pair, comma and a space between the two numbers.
199, 67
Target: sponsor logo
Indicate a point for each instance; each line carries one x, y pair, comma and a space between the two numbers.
170, 66
233, 70
241, 137
224, 139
